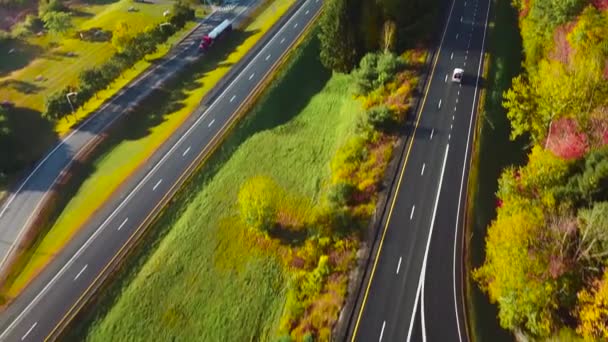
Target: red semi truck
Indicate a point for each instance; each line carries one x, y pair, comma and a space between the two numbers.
215, 34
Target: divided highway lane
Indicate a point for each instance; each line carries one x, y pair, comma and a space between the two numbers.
55, 295
443, 307
434, 157
19, 211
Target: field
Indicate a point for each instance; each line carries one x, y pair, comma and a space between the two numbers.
201, 275
134, 140
494, 151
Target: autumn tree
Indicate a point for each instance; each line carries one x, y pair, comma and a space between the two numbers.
258, 202
592, 311
122, 36
514, 273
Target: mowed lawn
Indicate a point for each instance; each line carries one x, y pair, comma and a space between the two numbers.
136, 139
54, 66
206, 281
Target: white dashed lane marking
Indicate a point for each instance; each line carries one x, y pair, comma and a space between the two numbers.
81, 271
29, 331
127, 219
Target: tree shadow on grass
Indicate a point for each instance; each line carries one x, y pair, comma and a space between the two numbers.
16, 54
279, 104
30, 136
26, 88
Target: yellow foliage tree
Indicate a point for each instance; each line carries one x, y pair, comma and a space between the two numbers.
592, 311
122, 36
257, 202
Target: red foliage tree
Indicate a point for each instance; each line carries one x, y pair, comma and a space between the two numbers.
602, 5
561, 47
566, 140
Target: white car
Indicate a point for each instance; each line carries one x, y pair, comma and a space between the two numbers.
457, 75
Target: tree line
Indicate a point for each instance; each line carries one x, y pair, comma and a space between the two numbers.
351, 28
547, 248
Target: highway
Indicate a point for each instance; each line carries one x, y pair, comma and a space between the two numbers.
19, 211
58, 293
413, 289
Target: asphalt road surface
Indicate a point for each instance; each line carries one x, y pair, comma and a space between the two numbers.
20, 209
413, 292
55, 294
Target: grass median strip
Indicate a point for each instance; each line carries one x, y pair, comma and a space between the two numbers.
135, 139
200, 273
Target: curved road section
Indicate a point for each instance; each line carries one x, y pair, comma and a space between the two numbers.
61, 289
19, 211
413, 291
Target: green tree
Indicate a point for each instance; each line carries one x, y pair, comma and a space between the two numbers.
593, 233
92, 80
336, 35
57, 22
257, 200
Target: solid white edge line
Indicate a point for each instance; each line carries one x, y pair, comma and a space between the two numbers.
426, 253
483, 40
80, 273
123, 223
29, 331
139, 185
382, 331
76, 129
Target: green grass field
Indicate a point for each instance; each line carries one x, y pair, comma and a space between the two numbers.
494, 152
133, 141
200, 276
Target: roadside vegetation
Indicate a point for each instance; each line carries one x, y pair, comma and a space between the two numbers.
260, 243
546, 249
132, 141
493, 152
60, 48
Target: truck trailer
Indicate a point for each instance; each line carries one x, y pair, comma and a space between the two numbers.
215, 34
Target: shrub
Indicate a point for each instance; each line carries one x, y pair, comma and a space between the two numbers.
257, 201
381, 117
340, 194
